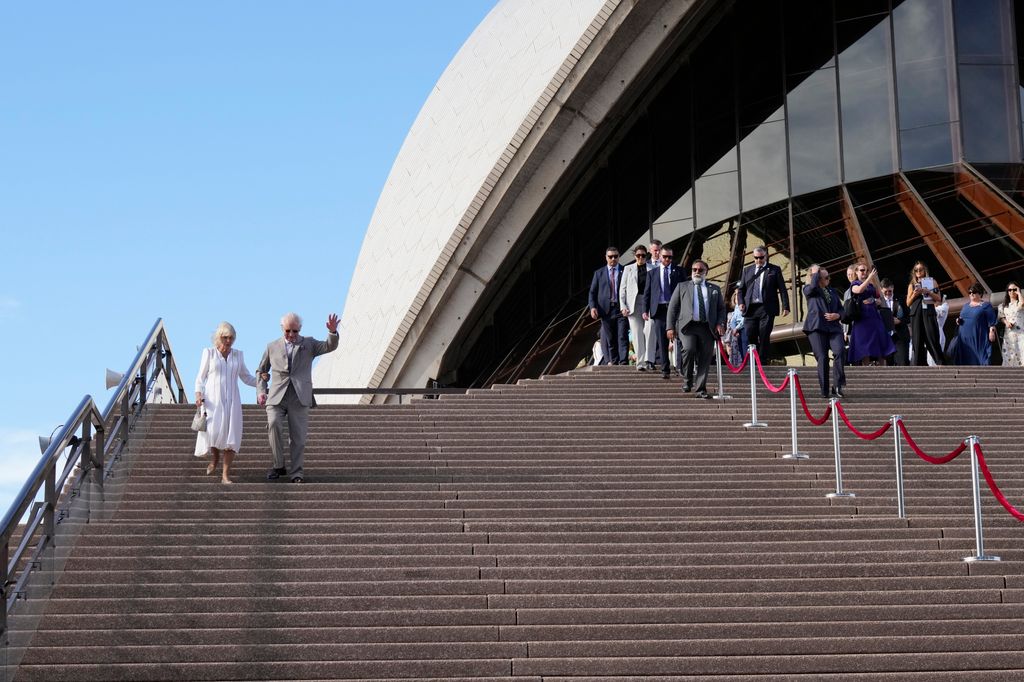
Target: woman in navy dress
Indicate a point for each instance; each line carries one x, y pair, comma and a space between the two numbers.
977, 329
869, 340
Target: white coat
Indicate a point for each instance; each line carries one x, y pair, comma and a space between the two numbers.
218, 382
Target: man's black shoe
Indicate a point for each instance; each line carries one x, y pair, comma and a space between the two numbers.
666, 375
687, 388
703, 394
297, 479
839, 393
275, 474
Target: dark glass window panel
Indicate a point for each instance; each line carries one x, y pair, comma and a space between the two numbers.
814, 133
820, 234
927, 146
714, 94
846, 10
893, 241
677, 221
670, 133
763, 165
864, 87
986, 247
984, 31
630, 166
988, 101
808, 32
761, 82
820, 238
717, 197
921, 29
713, 245
1008, 177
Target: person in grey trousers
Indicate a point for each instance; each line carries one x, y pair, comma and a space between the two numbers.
288, 365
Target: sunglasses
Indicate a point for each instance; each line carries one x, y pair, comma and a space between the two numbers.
759, 257
612, 257
1014, 290
292, 331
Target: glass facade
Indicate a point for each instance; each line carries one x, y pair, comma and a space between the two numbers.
829, 130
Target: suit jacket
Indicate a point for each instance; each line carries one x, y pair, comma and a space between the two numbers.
600, 290
275, 361
652, 294
629, 288
773, 288
817, 306
680, 308
900, 311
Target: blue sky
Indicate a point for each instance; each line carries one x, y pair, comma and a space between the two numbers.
160, 159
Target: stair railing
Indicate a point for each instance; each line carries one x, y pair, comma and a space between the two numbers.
96, 441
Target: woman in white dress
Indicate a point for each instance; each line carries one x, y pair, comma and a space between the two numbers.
1012, 312
217, 391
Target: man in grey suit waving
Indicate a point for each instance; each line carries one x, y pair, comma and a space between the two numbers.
696, 316
289, 362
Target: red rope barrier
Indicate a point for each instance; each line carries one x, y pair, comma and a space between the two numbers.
859, 434
1017, 514
921, 453
764, 377
725, 356
803, 403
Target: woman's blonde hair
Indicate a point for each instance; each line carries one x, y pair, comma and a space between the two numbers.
223, 329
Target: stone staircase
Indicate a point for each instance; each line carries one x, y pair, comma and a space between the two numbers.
594, 525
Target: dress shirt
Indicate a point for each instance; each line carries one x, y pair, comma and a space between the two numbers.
696, 301
759, 285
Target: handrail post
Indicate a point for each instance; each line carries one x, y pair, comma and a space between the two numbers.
839, 492
794, 453
979, 541
50, 499
5, 554
897, 448
718, 370
753, 423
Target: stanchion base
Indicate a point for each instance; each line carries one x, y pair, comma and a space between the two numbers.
796, 455
840, 495
982, 557
722, 397
755, 425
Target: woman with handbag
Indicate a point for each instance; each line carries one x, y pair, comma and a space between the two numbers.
922, 297
870, 343
217, 394
1012, 312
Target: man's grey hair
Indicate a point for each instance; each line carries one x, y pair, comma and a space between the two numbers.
290, 317
761, 248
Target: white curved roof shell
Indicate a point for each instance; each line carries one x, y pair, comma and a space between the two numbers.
466, 124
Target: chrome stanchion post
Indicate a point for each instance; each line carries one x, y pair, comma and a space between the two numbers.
979, 541
897, 448
794, 453
718, 368
753, 423
839, 460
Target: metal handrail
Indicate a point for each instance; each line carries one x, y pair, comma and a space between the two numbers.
153, 359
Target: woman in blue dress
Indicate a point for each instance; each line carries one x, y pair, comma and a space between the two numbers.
869, 340
977, 329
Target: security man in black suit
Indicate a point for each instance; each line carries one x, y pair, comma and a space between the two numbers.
761, 288
605, 305
661, 283
896, 317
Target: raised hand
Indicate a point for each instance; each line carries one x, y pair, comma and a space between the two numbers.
332, 323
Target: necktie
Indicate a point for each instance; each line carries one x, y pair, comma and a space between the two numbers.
664, 284
702, 308
288, 349
757, 285
611, 278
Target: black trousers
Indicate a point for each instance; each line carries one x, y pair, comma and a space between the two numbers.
758, 323
658, 338
697, 343
901, 358
821, 343
615, 337
924, 331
